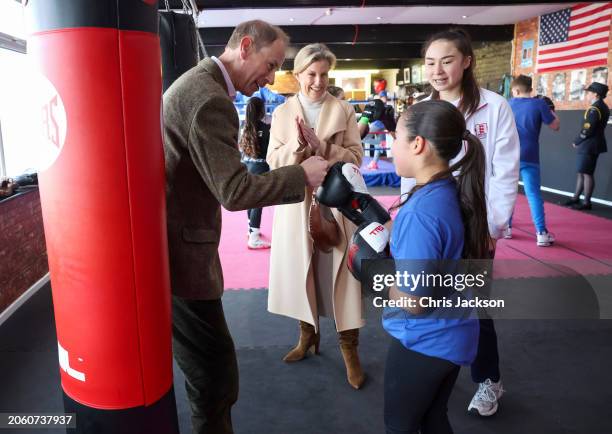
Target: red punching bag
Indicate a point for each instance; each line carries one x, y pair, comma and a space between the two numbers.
103, 204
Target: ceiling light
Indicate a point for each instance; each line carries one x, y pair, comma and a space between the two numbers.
464, 16
291, 19
328, 11
379, 18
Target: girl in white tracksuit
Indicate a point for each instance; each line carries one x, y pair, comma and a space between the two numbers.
449, 68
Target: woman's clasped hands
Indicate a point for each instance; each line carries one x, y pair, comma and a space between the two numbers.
306, 135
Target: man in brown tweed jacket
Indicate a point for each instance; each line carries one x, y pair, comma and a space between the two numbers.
203, 172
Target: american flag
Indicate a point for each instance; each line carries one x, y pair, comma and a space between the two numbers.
575, 37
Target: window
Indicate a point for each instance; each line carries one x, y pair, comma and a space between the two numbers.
15, 124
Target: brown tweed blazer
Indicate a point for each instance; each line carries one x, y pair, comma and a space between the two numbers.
203, 172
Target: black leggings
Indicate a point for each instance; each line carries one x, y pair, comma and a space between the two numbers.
417, 389
254, 214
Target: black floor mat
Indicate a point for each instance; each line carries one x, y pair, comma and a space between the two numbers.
556, 374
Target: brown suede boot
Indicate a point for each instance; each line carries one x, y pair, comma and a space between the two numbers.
349, 340
309, 340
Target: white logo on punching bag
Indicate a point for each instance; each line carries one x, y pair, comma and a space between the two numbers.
48, 107
64, 362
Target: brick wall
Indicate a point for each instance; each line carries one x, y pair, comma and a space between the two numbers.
493, 60
23, 254
528, 30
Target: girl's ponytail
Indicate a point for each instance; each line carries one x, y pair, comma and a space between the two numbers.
471, 187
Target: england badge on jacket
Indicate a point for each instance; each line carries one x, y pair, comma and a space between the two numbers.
481, 130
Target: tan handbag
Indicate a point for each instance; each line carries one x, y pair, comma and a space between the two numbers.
323, 227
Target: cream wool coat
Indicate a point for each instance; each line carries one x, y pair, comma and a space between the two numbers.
292, 286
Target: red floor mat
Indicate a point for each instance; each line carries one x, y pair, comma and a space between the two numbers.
584, 246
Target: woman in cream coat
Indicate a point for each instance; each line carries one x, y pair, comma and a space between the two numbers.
306, 283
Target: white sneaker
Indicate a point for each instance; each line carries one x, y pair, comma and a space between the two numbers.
255, 242
484, 402
545, 239
508, 233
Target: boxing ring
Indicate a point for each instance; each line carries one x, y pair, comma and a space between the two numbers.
383, 176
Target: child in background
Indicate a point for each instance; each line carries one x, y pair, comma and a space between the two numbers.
443, 218
254, 147
530, 113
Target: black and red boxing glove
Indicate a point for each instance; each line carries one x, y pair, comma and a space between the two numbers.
344, 188
548, 101
370, 241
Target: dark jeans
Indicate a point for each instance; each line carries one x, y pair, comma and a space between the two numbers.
417, 389
204, 350
486, 363
256, 168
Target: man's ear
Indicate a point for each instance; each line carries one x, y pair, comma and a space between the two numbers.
246, 46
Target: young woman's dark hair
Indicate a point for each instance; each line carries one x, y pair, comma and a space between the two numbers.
443, 126
255, 111
471, 93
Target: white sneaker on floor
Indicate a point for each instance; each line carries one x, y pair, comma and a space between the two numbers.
484, 402
545, 239
508, 233
255, 242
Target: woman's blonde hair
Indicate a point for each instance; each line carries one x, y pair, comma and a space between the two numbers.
313, 53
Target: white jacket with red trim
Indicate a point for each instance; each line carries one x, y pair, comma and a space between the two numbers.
493, 123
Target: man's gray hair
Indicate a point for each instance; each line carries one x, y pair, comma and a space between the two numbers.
261, 32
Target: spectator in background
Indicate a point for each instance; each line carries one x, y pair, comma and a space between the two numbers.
388, 116
254, 147
375, 140
590, 143
336, 91
529, 114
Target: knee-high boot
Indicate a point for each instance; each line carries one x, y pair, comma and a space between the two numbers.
349, 340
308, 340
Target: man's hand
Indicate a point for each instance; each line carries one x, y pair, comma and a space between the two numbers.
315, 169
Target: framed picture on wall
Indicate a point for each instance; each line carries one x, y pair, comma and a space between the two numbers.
558, 87
577, 84
600, 75
415, 74
527, 54
407, 77
542, 85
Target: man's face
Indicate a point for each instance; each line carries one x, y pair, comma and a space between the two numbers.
258, 67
